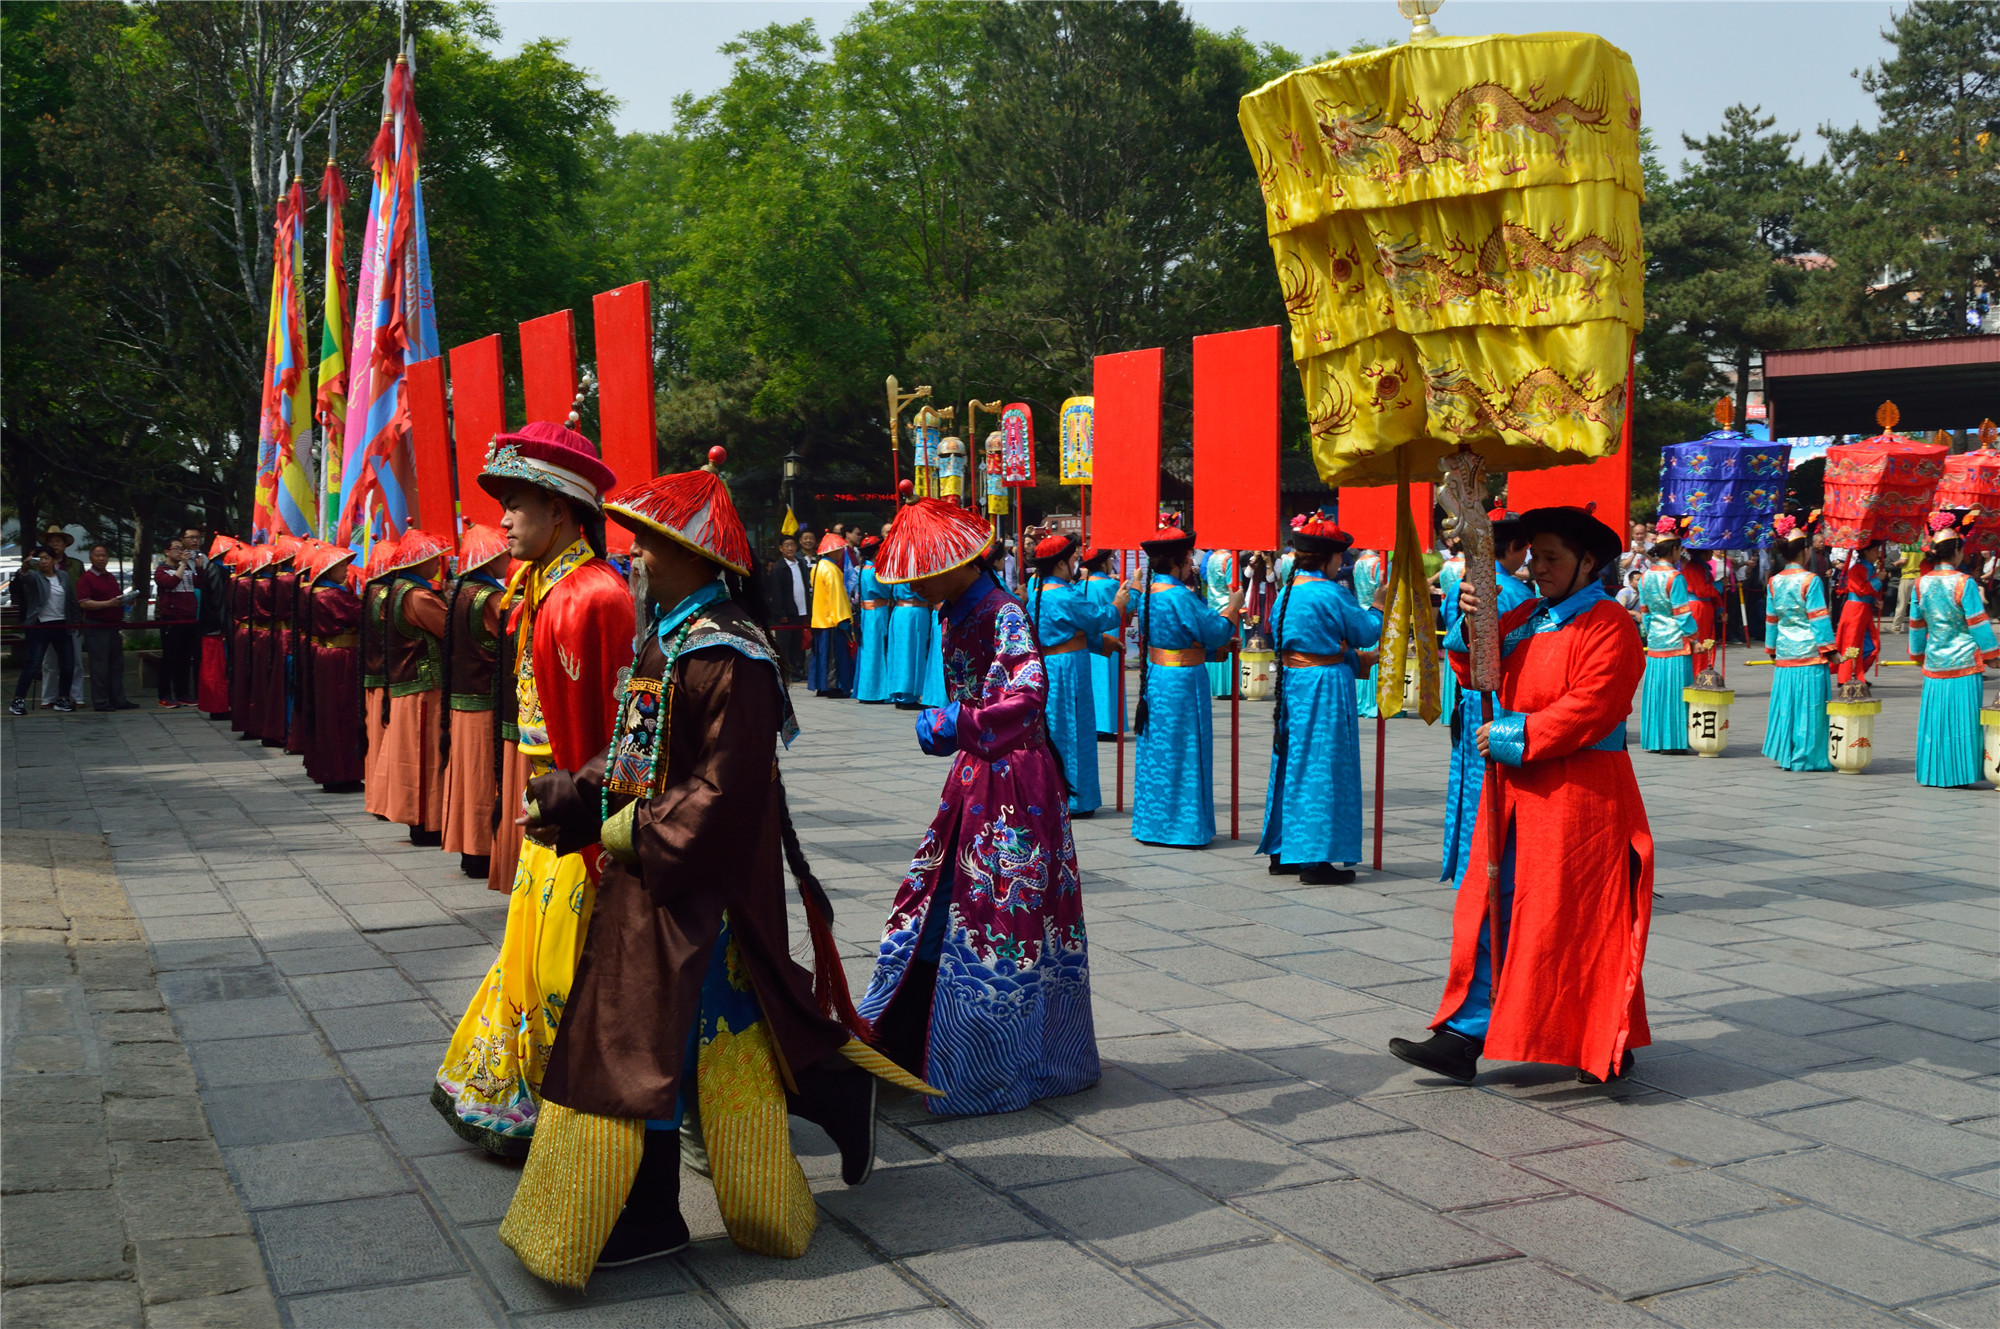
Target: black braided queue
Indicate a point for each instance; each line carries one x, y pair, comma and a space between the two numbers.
1145, 650
1279, 739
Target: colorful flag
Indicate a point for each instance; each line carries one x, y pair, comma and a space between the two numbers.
331, 407
395, 325
284, 499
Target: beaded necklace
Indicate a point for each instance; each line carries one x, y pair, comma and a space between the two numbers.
646, 705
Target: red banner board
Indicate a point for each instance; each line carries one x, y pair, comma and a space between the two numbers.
1606, 482
1236, 439
1125, 489
478, 412
548, 366
430, 445
625, 404
1369, 515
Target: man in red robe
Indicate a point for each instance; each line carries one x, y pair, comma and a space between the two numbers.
1576, 855
1854, 638
1707, 607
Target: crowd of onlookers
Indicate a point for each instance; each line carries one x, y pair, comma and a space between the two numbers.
73, 621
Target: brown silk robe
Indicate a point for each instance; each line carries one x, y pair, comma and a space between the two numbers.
330, 688
374, 693
241, 593
257, 685
410, 770
470, 782
711, 842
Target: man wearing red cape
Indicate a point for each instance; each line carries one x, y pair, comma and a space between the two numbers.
1576, 855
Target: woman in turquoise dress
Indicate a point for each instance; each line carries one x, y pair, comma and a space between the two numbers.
1798, 636
1371, 569
1312, 803
873, 606
1218, 582
909, 636
1450, 575
1068, 625
1173, 781
1952, 638
1107, 657
1668, 632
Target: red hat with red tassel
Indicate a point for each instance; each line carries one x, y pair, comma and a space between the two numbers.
479, 546
929, 537
416, 548
691, 508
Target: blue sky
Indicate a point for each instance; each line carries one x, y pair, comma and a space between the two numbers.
1794, 57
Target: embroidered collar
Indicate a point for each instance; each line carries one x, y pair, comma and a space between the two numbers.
541, 580
975, 595
682, 612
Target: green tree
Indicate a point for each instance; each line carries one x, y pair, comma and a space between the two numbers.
1921, 227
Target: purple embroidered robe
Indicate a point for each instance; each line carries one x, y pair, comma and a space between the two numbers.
1010, 1019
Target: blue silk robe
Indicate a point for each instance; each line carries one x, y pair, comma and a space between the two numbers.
1468, 769
1312, 804
1369, 569
1104, 669
1064, 612
1173, 780
909, 636
871, 662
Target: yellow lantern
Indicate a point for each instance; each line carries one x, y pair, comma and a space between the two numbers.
951, 470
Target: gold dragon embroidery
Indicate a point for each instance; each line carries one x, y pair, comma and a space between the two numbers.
1537, 401
1354, 138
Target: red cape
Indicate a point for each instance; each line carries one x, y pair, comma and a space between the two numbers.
1569, 991
583, 637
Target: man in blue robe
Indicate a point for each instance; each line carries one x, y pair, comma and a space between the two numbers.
1069, 627
1173, 783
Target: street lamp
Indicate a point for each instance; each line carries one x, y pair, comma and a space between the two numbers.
793, 464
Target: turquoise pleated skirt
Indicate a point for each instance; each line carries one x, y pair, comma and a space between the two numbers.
1795, 732
1447, 693
1364, 694
1948, 736
1663, 712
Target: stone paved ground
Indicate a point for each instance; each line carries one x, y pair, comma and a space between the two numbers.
1811, 1140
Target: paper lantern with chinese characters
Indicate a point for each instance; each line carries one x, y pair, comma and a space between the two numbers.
1882, 487
1455, 223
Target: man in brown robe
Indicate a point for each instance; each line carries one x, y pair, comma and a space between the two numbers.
471, 657
413, 652
691, 903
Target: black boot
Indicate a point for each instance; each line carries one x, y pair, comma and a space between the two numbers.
1624, 1069
424, 839
1445, 1052
1324, 874
1278, 869
475, 865
839, 1097
651, 1224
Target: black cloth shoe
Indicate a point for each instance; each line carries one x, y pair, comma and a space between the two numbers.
1278, 869
1446, 1052
839, 1098
1625, 1064
424, 839
475, 865
341, 787
650, 1224
1324, 874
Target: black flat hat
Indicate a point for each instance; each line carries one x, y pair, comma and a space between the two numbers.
1577, 528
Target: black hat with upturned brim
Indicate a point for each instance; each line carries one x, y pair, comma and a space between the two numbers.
1576, 528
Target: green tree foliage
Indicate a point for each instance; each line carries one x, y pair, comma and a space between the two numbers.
1922, 220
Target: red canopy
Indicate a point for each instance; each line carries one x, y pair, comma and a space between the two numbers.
1972, 480
1880, 489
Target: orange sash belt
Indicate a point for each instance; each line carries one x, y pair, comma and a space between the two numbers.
1075, 643
1180, 658
1307, 660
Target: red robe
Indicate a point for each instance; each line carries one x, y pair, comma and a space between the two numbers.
582, 638
1707, 609
257, 686
330, 690
1861, 601
1568, 991
239, 652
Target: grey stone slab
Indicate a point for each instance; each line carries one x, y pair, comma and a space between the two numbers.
1517, 1293
1257, 1287
1065, 1288
389, 1072
472, 1186
1181, 1061
43, 1155
328, 960
1122, 1101
1862, 1188
1432, 1170
1925, 1012
1299, 1112
159, 1203
1225, 1158
1245, 1027
1354, 1070
1147, 989
359, 987
1687, 1129
1897, 1137
1784, 1015
414, 1127
1919, 1048
449, 1301
1596, 1243
682, 1311
1020, 1149
1298, 997
229, 1062
465, 962
351, 1028
205, 1268
354, 1243
1210, 965
1983, 1241
284, 1112
1769, 1301
186, 987
1139, 1215
925, 1208
92, 1305
195, 927
1972, 1310
1900, 1086
836, 1279
1779, 1054
316, 1170
248, 1017
169, 1117
1843, 1254
1351, 969
401, 941
1487, 1122
1366, 1228
1731, 1086
63, 1236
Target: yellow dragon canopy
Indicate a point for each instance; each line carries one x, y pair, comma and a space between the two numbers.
1456, 229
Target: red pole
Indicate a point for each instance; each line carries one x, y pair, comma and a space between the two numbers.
1119, 664
1235, 700
1381, 744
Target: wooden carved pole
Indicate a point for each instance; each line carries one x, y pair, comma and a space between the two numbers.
1465, 473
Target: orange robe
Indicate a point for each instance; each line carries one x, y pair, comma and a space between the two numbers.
413, 790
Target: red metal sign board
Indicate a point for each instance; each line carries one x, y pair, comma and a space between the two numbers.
430, 445
625, 404
1606, 482
1236, 438
1369, 515
548, 366
1126, 481
478, 412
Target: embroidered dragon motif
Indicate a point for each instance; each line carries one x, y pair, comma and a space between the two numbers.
1536, 402
1358, 140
